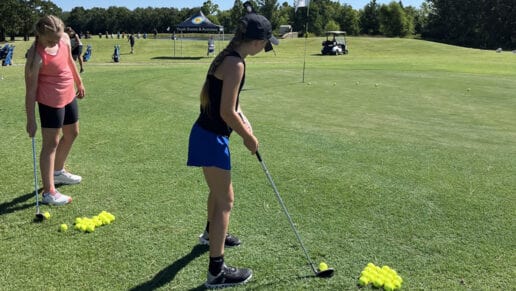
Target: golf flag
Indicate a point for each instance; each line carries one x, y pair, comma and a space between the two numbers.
301, 3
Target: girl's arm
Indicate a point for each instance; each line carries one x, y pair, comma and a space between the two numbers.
232, 70
244, 118
75, 72
32, 66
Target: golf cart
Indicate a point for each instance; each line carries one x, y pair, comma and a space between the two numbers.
336, 45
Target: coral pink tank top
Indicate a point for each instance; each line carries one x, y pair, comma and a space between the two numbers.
55, 81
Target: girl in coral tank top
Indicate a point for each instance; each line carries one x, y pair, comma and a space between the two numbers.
52, 81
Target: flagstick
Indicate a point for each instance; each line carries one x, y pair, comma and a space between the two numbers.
306, 38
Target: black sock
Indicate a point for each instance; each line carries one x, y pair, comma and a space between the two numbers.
207, 230
216, 264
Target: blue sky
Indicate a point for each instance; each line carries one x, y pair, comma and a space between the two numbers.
67, 5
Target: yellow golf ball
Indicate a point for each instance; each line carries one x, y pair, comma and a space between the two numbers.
63, 227
389, 286
363, 280
46, 214
90, 228
323, 266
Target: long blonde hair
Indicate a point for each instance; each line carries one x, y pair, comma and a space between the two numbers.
235, 42
45, 25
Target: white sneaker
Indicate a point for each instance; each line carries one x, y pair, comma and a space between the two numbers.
67, 179
56, 199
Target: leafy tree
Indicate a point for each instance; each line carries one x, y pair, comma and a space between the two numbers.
475, 23
209, 8
348, 20
17, 17
369, 19
411, 13
498, 27
393, 21
269, 9
421, 18
234, 15
320, 13
77, 19
283, 16
331, 25
224, 18
9, 20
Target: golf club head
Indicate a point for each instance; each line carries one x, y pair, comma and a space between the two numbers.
326, 273
39, 217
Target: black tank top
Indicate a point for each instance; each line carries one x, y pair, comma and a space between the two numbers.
210, 119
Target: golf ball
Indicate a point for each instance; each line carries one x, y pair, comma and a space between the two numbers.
63, 227
388, 286
46, 214
90, 228
377, 283
363, 280
323, 266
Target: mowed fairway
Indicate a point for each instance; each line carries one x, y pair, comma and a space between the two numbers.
401, 153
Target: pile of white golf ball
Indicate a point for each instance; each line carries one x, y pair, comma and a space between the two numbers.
86, 224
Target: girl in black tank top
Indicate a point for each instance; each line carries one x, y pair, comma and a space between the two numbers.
209, 117
220, 115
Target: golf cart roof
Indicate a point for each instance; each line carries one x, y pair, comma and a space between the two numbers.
335, 32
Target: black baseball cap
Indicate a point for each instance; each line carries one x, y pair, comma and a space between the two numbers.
259, 27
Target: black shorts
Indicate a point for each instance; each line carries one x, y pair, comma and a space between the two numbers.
76, 52
51, 117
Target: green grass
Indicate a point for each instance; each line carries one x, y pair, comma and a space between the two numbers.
400, 153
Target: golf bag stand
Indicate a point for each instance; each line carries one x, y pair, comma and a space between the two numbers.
116, 54
87, 55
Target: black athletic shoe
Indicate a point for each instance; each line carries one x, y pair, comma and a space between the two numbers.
231, 241
228, 277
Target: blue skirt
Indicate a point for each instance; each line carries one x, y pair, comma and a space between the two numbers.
208, 149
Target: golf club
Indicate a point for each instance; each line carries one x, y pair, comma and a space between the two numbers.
318, 273
39, 215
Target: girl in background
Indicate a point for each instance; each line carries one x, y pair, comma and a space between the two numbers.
52, 80
76, 44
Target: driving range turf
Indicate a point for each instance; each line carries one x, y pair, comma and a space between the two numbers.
401, 153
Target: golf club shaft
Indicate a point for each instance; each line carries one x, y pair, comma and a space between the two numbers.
264, 167
35, 174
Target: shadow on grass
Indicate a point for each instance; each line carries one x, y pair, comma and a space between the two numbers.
168, 274
177, 58
17, 204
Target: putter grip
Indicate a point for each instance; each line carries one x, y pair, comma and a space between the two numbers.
258, 156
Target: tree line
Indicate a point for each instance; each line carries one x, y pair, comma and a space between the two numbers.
472, 23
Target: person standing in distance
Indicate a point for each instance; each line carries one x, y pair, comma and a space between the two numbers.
131, 42
52, 80
220, 115
76, 44
211, 46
